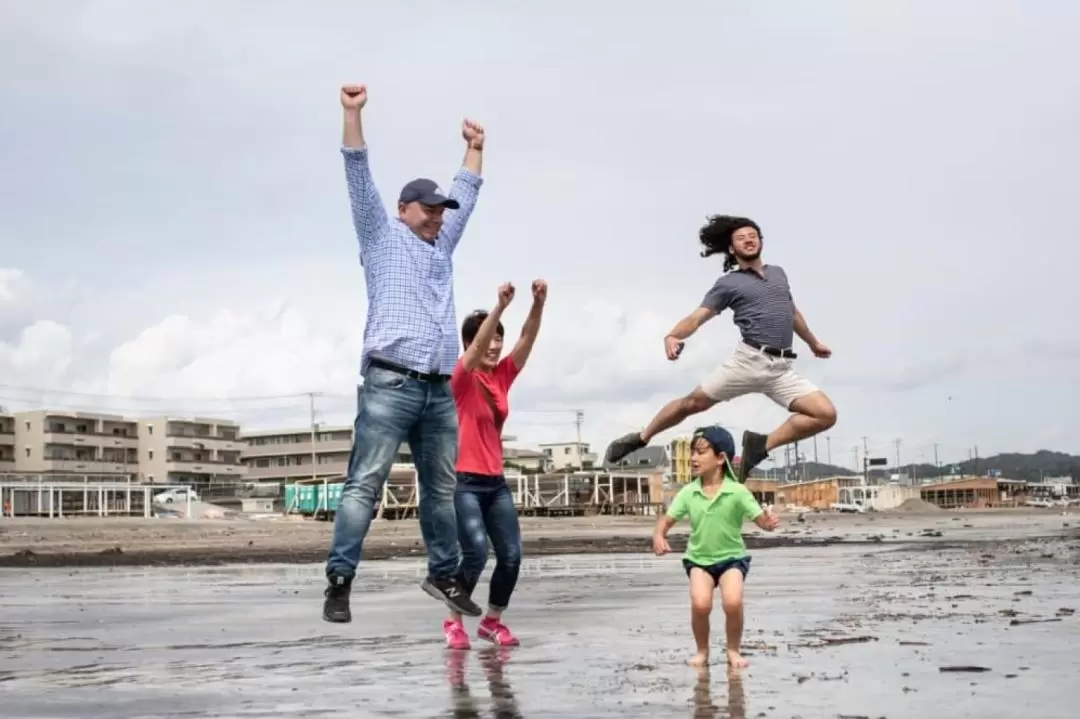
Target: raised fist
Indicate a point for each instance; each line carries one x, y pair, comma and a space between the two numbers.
353, 97
506, 294
539, 290
473, 134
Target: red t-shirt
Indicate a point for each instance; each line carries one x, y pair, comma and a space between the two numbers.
480, 429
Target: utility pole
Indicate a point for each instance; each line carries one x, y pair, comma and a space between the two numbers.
314, 427
815, 449
795, 451
936, 462
865, 460
976, 460
828, 449
897, 443
579, 420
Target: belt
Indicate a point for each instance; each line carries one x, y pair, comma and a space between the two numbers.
431, 377
771, 351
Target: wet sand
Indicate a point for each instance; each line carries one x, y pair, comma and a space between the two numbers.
138, 542
838, 631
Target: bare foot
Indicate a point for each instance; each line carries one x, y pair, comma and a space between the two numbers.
701, 659
735, 660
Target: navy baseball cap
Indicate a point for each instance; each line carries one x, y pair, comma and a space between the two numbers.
718, 438
426, 192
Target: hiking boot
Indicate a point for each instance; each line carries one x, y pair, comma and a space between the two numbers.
496, 632
449, 592
336, 606
456, 636
623, 446
753, 453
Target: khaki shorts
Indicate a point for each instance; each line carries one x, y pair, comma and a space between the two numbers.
751, 371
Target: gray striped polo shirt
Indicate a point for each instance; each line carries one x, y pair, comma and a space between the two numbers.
763, 307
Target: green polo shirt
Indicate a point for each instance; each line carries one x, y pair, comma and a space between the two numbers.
716, 522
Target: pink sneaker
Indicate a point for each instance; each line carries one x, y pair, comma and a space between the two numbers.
456, 636
496, 632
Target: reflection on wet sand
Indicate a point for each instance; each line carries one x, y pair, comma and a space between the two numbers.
704, 708
492, 660
250, 641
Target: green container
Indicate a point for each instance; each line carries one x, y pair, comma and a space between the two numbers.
309, 498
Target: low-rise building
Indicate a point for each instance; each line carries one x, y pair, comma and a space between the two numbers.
7, 443
569, 456
970, 492
529, 461
679, 452
647, 460
290, 455
200, 452
61, 442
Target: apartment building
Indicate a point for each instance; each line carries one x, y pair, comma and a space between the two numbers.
569, 456
7, 443
679, 451
46, 442
198, 452
290, 455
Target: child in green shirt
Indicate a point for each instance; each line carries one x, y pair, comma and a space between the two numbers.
717, 505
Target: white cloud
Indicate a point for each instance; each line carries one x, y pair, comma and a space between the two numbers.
42, 354
190, 226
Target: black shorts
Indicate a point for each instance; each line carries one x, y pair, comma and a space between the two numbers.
716, 570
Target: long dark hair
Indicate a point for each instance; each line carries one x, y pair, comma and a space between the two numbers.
715, 236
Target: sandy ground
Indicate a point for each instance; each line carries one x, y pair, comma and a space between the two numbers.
985, 630
118, 542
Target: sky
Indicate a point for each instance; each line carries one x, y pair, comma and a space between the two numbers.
175, 233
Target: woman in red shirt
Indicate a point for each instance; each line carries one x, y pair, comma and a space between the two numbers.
483, 501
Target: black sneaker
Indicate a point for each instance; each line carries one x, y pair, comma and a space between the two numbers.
753, 453
449, 592
623, 446
336, 607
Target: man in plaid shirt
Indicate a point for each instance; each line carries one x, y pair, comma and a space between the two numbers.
410, 348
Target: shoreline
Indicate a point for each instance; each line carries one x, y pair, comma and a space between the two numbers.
94, 543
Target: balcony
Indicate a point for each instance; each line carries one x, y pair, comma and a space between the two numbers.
100, 440
293, 449
332, 470
194, 465
201, 442
86, 466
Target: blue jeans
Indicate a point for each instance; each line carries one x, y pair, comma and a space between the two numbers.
392, 408
485, 508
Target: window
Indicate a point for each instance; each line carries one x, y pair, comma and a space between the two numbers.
150, 431
28, 449
150, 454
566, 450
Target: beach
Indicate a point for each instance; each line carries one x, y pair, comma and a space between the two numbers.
981, 625
138, 542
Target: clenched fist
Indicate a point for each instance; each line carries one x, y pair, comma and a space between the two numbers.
473, 134
353, 97
506, 294
539, 290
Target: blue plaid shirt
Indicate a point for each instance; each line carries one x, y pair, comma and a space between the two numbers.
410, 284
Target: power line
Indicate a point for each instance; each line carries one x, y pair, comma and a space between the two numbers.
144, 398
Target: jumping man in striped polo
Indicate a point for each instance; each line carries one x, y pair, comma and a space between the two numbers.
410, 348
766, 315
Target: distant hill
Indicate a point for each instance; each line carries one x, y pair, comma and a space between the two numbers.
1031, 467
1012, 465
